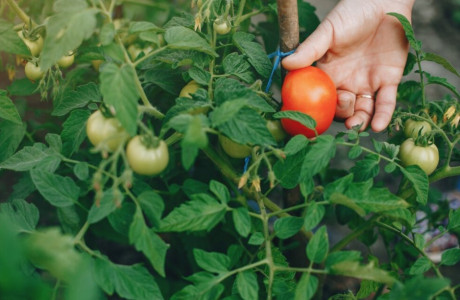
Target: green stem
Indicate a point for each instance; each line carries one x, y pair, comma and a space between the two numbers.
55, 289
20, 13
150, 54
422, 80
81, 233
301, 270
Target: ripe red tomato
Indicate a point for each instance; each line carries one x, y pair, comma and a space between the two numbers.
310, 91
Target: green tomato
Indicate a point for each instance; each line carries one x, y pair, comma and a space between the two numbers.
414, 129
146, 160
427, 158
105, 133
66, 61
35, 46
222, 25
33, 72
276, 130
234, 149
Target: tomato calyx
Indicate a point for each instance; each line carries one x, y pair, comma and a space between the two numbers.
150, 141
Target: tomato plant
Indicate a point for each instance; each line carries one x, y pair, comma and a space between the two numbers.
310, 91
147, 159
426, 157
34, 43
198, 193
66, 61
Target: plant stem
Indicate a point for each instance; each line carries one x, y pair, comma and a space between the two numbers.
81, 233
20, 13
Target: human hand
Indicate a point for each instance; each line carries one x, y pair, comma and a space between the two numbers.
364, 50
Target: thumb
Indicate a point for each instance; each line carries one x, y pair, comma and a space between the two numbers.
312, 49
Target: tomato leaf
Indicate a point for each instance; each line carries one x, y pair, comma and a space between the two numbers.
257, 57
306, 288
8, 110
419, 288
298, 116
203, 212
419, 181
443, 82
369, 272
22, 87
288, 171
318, 246
118, 87
11, 135
213, 262
66, 30
366, 168
246, 127
129, 282
242, 221
26, 158
179, 37
147, 241
313, 215
450, 257
10, 42
415, 44
199, 75
256, 239
441, 61
454, 221
247, 285
21, 215
340, 256
288, 226
238, 66
421, 265
220, 190
57, 190
165, 77
73, 131
102, 208
77, 98
318, 156
152, 206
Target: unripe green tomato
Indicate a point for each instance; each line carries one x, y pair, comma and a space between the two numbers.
427, 158
222, 25
189, 89
146, 160
35, 47
66, 61
96, 63
276, 130
33, 72
234, 149
414, 128
105, 133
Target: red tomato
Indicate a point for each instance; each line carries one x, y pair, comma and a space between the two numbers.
310, 91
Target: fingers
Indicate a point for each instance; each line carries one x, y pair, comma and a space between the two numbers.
364, 109
312, 49
384, 107
345, 104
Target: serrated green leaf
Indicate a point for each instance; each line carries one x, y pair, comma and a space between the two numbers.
203, 212
369, 271
318, 157
179, 37
107, 34
118, 87
306, 288
57, 190
433, 57
213, 262
147, 241
77, 98
419, 181
366, 168
355, 152
340, 256
74, 131
8, 110
295, 144
442, 82
450, 257
199, 75
288, 171
420, 266
408, 30
81, 170
242, 221
11, 135
21, 215
152, 206
254, 51
104, 207
313, 215
318, 246
454, 220
129, 282
73, 23
298, 116
288, 226
257, 238
220, 190
247, 285
26, 158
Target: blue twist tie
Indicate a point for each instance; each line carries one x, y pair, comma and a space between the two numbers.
246, 163
278, 54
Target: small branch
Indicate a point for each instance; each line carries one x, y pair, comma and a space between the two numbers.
21, 14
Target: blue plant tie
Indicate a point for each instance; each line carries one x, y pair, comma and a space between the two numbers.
246, 163
278, 55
